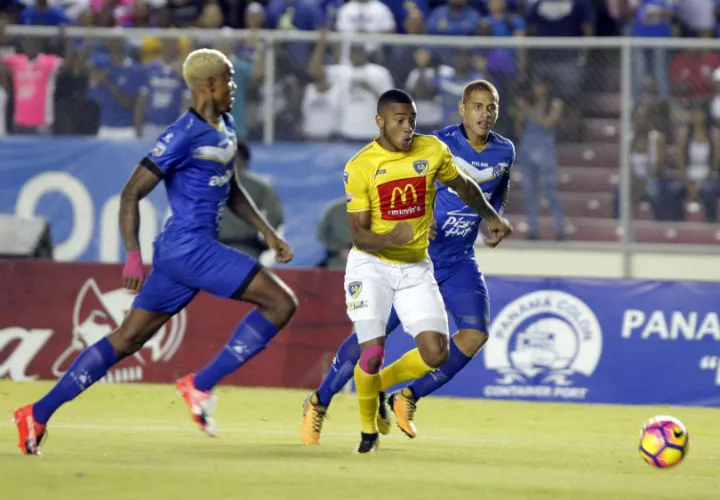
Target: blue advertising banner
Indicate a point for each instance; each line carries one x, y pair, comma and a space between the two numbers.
76, 184
598, 341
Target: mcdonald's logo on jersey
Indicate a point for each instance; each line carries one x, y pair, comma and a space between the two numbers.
402, 199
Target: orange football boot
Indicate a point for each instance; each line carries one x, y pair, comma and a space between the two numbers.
31, 432
201, 404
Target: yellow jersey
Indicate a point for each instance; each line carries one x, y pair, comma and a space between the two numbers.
399, 187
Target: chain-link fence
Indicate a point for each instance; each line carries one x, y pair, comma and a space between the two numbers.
616, 138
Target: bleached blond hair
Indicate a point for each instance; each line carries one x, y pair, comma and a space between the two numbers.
202, 64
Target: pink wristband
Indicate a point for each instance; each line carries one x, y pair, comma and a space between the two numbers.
133, 265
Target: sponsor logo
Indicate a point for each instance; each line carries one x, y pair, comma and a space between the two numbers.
221, 180
159, 149
460, 225
402, 199
540, 344
27, 344
361, 304
96, 314
354, 288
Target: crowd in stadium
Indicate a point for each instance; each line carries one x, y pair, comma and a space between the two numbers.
127, 87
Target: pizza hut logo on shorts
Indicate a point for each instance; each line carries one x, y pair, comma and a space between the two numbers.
402, 199
96, 314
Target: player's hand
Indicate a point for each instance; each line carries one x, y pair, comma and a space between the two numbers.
133, 273
283, 252
402, 233
499, 228
432, 230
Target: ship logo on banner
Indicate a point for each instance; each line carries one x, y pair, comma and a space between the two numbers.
539, 344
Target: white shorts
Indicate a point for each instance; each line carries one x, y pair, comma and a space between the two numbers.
373, 287
117, 133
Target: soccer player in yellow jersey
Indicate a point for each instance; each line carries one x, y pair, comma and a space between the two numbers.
390, 190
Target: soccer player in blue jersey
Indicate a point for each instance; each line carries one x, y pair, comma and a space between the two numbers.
487, 157
195, 159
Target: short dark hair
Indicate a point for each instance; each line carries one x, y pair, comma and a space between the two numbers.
393, 96
483, 85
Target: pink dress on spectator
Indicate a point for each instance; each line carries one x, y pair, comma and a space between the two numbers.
34, 84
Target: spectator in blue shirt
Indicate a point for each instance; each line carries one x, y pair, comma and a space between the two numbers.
500, 22
456, 18
115, 82
163, 94
304, 15
41, 14
651, 18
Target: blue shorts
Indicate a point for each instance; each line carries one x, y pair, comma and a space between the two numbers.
176, 279
464, 291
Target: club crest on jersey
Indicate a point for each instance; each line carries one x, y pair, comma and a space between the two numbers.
420, 166
346, 177
354, 288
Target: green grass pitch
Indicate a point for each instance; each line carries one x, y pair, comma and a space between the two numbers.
137, 442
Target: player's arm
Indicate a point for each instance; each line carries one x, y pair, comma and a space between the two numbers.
357, 197
244, 207
142, 181
469, 192
498, 200
365, 239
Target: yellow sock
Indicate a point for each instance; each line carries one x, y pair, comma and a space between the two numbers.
409, 367
368, 388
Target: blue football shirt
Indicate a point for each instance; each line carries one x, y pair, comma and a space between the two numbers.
458, 224
195, 160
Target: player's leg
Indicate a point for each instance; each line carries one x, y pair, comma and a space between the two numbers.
158, 300
422, 312
466, 299
369, 297
341, 371
228, 273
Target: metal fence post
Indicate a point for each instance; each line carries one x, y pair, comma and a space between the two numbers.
627, 236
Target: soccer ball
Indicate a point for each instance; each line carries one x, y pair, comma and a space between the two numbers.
664, 442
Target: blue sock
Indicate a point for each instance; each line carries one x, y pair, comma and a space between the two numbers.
249, 338
341, 370
438, 378
90, 366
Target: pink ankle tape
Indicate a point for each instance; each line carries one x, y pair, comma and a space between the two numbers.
374, 351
